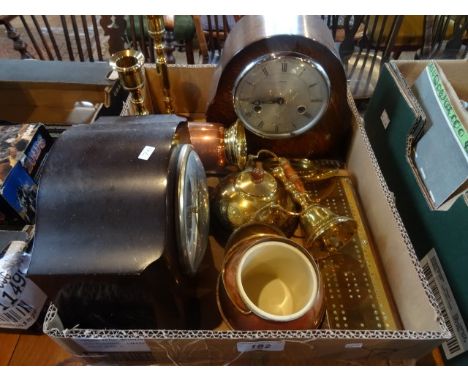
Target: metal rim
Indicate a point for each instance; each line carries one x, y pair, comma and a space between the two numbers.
276, 56
311, 266
190, 261
137, 55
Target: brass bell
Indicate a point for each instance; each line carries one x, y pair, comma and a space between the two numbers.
323, 230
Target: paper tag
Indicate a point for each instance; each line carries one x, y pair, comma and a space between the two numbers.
243, 347
355, 345
116, 345
113, 75
146, 152
385, 119
440, 286
21, 301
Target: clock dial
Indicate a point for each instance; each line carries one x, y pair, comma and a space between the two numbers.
281, 95
192, 209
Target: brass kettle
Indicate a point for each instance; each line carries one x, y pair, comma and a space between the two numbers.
254, 195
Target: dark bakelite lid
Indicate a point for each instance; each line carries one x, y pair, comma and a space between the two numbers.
101, 201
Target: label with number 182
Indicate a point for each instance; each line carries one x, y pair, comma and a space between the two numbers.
243, 347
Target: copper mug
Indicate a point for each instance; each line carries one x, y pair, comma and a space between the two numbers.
218, 146
269, 282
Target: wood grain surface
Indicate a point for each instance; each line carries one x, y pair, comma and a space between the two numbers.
7, 347
36, 350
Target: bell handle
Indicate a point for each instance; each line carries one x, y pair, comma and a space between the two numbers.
274, 205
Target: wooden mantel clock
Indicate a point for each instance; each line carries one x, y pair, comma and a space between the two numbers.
283, 79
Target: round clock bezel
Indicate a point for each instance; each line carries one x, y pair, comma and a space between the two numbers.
190, 261
277, 56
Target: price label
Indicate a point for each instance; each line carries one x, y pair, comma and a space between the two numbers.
100, 345
385, 119
243, 347
146, 152
21, 301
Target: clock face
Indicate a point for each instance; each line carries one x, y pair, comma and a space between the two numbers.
192, 209
281, 95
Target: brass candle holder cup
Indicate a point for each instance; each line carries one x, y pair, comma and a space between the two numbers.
269, 282
129, 66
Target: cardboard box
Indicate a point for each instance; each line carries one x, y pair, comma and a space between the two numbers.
423, 328
393, 120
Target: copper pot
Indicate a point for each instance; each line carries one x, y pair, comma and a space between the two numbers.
217, 146
269, 282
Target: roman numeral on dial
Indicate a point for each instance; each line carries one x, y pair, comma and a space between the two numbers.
284, 67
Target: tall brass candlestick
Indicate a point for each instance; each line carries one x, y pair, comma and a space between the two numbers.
129, 66
156, 31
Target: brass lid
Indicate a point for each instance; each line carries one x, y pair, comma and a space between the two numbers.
256, 182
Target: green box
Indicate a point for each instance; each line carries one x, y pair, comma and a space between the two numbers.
392, 115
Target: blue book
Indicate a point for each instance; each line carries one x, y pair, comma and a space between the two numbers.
441, 154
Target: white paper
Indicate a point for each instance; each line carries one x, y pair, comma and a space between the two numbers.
21, 301
146, 152
385, 119
116, 345
243, 347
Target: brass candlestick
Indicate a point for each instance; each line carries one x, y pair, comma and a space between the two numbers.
156, 30
129, 66
323, 230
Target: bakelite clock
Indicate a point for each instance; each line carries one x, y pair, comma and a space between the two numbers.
283, 79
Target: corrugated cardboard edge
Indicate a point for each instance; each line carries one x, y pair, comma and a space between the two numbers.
235, 334
58, 333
